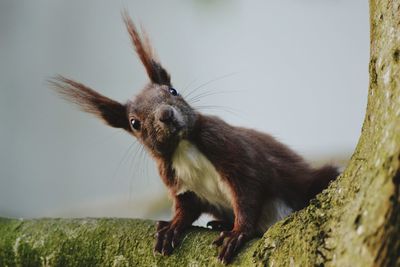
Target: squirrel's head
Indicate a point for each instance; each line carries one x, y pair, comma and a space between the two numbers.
158, 116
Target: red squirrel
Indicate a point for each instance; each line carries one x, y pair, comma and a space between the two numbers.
245, 179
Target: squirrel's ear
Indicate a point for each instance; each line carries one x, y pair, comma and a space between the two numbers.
112, 112
156, 72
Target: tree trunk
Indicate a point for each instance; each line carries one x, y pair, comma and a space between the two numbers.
355, 222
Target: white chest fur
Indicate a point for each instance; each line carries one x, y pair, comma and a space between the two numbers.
197, 174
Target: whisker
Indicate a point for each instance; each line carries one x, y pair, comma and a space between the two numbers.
124, 157
137, 161
209, 93
187, 86
131, 187
142, 163
229, 110
211, 81
134, 162
102, 139
146, 167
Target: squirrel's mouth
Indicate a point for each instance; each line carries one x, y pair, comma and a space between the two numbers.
167, 137
169, 125
177, 131
167, 132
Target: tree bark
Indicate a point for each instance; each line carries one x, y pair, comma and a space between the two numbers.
355, 222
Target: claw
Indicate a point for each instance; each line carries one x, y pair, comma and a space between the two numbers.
231, 246
220, 240
167, 247
167, 237
176, 238
161, 225
227, 251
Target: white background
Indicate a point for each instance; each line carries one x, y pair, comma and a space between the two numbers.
299, 71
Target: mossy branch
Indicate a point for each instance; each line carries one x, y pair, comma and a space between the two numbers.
99, 242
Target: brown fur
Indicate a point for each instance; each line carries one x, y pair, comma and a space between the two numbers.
256, 168
146, 54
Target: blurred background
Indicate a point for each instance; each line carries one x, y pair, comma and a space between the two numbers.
297, 69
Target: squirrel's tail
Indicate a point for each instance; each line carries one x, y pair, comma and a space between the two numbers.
321, 179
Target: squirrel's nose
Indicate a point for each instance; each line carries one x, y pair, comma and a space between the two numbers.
165, 114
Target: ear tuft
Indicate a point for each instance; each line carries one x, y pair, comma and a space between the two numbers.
112, 112
155, 71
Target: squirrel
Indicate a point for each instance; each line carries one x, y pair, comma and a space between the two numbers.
244, 178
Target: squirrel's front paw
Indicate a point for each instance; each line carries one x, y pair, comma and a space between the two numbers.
231, 242
168, 237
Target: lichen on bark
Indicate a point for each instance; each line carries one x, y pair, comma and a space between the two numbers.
355, 222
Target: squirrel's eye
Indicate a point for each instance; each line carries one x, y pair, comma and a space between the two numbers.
135, 124
173, 91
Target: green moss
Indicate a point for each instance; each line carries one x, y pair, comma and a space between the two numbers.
100, 242
7, 241
27, 255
